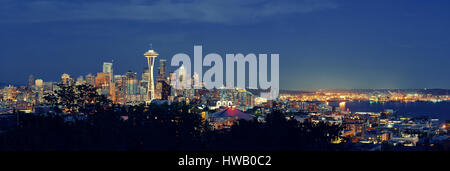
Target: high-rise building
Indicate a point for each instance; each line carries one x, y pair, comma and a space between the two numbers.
162, 70
145, 74
196, 81
66, 79
9, 93
173, 83
80, 80
102, 81
158, 88
151, 56
108, 67
90, 79
143, 84
30, 82
48, 86
39, 84
120, 89
165, 90
182, 75
161, 79
132, 83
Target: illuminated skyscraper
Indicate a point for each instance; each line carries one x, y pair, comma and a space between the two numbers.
196, 80
172, 84
143, 84
39, 84
183, 80
102, 82
66, 79
108, 67
162, 70
120, 84
145, 75
151, 56
161, 80
90, 79
30, 82
80, 80
48, 86
132, 83
165, 90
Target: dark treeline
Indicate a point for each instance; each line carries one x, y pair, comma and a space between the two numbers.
164, 127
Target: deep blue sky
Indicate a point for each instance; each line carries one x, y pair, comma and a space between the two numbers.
322, 43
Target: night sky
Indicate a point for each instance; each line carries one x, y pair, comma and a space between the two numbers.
322, 43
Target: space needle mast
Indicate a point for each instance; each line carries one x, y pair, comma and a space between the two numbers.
151, 57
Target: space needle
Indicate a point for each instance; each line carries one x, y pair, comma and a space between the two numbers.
151, 57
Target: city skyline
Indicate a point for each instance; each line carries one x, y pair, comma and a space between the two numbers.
322, 44
225, 83
171, 69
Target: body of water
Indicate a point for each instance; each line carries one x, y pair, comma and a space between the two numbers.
438, 110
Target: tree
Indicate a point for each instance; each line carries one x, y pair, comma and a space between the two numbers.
76, 98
